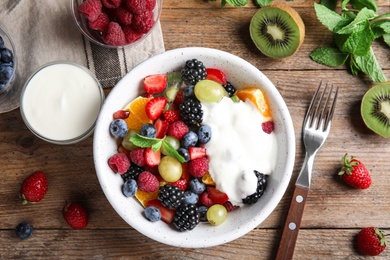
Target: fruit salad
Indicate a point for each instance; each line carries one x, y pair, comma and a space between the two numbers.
193, 147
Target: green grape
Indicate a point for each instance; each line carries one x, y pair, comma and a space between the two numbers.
173, 141
170, 169
209, 91
126, 141
217, 214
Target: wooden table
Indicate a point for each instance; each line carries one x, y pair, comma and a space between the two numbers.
334, 212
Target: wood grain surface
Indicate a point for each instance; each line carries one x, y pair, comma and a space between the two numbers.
334, 213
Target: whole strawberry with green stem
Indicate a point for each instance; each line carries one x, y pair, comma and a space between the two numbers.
371, 241
34, 187
355, 173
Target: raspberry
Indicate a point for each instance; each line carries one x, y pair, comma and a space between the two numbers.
100, 23
182, 184
114, 35
147, 182
119, 163
205, 199
268, 127
172, 115
229, 206
150, 4
198, 167
136, 6
111, 3
131, 35
143, 22
137, 156
178, 129
124, 16
90, 9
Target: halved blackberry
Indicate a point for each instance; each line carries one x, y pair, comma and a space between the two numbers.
193, 71
171, 196
261, 185
191, 112
230, 89
132, 172
186, 217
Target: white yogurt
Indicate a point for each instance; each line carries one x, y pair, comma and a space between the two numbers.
238, 146
61, 102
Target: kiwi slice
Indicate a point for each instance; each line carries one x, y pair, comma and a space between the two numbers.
375, 109
277, 30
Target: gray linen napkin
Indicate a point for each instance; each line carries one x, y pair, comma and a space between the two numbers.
44, 31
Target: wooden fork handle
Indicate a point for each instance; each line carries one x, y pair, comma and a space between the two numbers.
292, 224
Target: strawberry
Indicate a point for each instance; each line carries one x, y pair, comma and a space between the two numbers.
75, 215
217, 196
172, 115
371, 241
34, 187
121, 114
155, 107
216, 75
154, 84
354, 173
196, 152
166, 214
161, 127
179, 98
152, 158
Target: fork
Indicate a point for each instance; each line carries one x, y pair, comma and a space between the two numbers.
315, 130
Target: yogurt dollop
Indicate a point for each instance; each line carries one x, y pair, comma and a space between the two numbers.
238, 146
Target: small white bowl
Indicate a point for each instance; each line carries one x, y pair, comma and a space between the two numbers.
239, 222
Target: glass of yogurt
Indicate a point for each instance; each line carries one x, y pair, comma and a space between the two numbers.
61, 101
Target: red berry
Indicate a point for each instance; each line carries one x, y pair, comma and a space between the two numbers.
143, 22
136, 6
166, 214
182, 184
34, 187
268, 127
75, 215
147, 182
155, 84
196, 152
216, 75
137, 156
114, 35
119, 163
205, 199
371, 241
179, 98
155, 107
178, 129
198, 167
122, 149
100, 23
152, 158
90, 9
121, 114
131, 35
217, 196
229, 206
111, 3
172, 115
150, 4
161, 127
354, 173
124, 16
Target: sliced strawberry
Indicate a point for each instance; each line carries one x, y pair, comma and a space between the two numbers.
166, 214
122, 149
196, 152
216, 75
216, 195
152, 158
121, 114
161, 127
172, 115
179, 98
182, 184
154, 84
155, 107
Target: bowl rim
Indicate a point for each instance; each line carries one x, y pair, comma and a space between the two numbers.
181, 239
73, 9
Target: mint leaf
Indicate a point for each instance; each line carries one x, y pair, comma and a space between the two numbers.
328, 56
357, 43
358, 24
354, 67
327, 17
369, 65
261, 3
386, 38
331, 4
171, 151
236, 2
146, 142
360, 4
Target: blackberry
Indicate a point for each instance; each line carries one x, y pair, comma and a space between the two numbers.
132, 172
230, 89
171, 196
191, 112
186, 217
261, 185
193, 71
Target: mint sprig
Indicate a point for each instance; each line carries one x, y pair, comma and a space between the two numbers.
354, 31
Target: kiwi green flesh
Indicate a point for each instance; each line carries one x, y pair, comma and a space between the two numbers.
274, 32
375, 109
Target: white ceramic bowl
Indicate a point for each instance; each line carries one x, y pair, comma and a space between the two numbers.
239, 222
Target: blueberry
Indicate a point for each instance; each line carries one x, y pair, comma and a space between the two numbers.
203, 213
129, 188
152, 213
204, 134
148, 130
197, 186
189, 140
184, 152
24, 230
118, 128
5, 73
6, 55
190, 197
188, 91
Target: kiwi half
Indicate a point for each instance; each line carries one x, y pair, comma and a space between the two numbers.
277, 30
375, 109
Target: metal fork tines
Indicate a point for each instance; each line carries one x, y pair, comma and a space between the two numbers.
316, 128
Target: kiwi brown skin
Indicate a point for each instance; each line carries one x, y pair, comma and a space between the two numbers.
294, 17
375, 109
